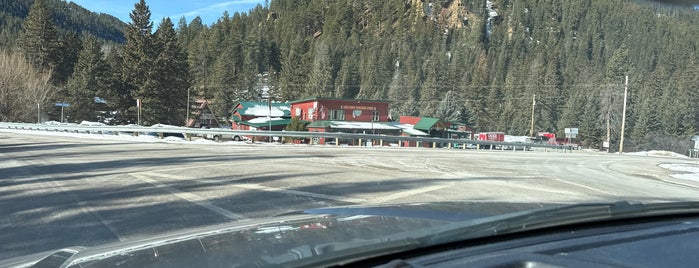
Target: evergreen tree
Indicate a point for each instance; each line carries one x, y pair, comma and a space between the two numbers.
164, 93
39, 39
448, 108
429, 93
590, 131
347, 82
70, 47
294, 72
225, 81
571, 113
117, 92
476, 94
645, 116
138, 52
319, 82
88, 78
295, 125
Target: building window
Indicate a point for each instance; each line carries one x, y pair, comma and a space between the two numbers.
298, 112
337, 115
311, 113
375, 116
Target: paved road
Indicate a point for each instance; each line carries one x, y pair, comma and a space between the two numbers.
62, 191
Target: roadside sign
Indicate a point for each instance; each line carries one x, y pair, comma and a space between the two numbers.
571, 130
571, 133
62, 104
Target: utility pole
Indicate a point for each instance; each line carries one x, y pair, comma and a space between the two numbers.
269, 119
609, 145
623, 117
531, 130
186, 119
138, 105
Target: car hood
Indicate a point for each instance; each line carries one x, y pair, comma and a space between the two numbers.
276, 240
341, 234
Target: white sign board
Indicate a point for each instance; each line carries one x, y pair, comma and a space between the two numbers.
571, 130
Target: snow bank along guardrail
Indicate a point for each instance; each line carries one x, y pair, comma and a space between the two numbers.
188, 132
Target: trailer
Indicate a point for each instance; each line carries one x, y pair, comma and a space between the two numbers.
491, 136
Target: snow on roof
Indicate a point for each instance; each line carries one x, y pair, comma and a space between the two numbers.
360, 125
264, 110
263, 120
410, 130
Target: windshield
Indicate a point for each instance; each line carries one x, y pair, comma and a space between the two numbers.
128, 121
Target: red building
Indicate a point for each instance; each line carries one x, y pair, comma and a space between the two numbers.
316, 109
344, 115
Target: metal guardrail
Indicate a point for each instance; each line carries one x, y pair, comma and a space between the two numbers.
134, 130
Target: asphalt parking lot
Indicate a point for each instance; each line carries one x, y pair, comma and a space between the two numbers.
65, 191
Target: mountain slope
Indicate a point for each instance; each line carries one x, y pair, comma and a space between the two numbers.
494, 56
68, 16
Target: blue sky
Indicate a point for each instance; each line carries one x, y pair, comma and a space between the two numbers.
208, 10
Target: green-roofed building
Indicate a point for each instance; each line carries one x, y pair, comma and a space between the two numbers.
429, 124
246, 110
253, 115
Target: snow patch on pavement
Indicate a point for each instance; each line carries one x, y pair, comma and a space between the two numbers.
658, 153
683, 171
204, 141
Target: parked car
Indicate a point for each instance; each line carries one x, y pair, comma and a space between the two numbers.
224, 137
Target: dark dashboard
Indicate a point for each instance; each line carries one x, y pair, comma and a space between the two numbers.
671, 242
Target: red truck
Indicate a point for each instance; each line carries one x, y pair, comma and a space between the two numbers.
550, 138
